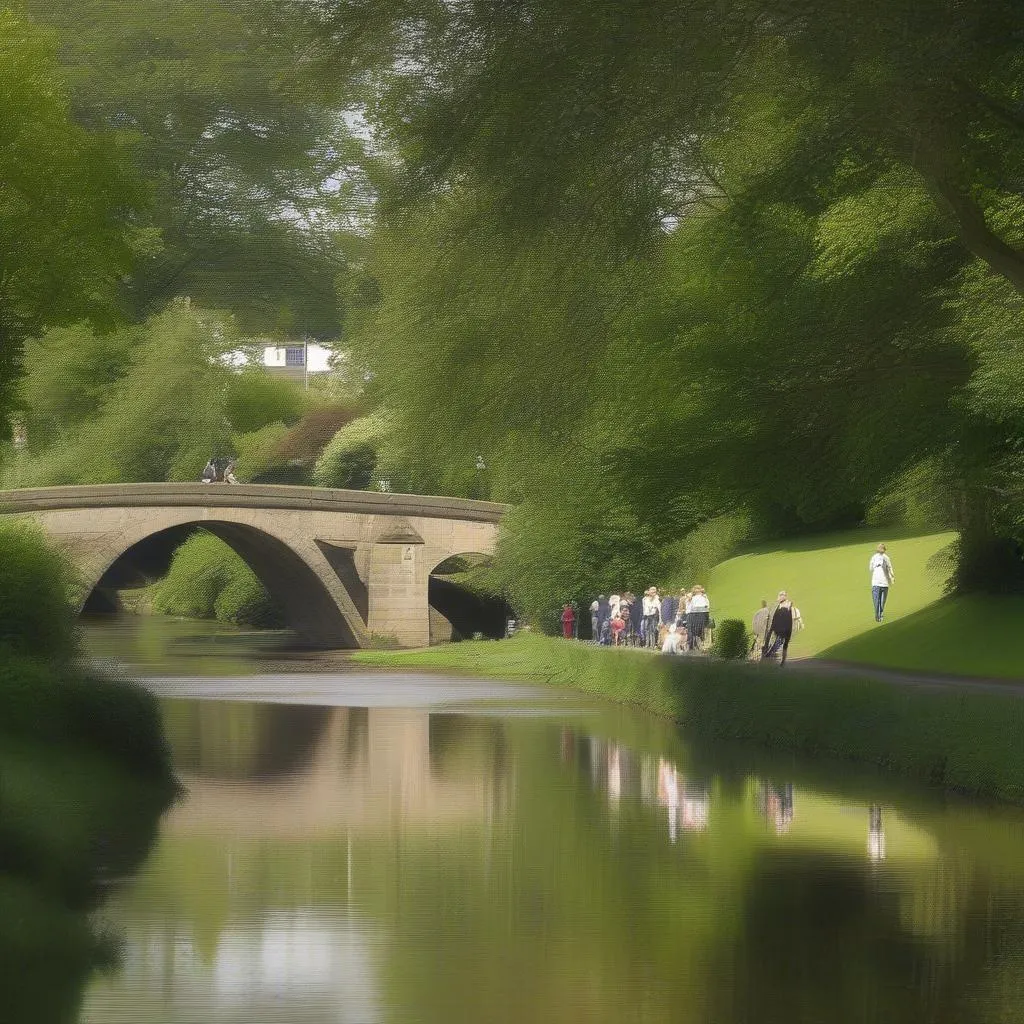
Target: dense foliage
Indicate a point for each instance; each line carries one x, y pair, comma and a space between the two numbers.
662, 264
666, 276
243, 143
68, 201
207, 580
148, 402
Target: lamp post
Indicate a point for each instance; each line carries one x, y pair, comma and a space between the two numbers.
481, 468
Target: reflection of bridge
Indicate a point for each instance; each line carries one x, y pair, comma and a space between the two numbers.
343, 564
371, 771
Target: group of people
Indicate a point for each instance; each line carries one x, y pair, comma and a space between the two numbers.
671, 623
676, 623
213, 472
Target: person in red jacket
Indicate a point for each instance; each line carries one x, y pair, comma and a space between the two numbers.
568, 621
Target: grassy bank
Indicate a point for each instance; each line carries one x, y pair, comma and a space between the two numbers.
827, 577
960, 740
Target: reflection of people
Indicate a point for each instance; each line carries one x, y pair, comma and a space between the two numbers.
882, 576
694, 805
668, 795
876, 834
775, 803
614, 774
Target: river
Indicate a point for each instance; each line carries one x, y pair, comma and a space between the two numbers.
360, 847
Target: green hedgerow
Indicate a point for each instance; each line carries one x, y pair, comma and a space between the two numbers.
36, 583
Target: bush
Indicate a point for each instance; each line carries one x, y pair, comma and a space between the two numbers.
245, 602
36, 583
732, 642
351, 454
208, 580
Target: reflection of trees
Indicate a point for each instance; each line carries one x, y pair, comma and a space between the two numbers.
558, 895
70, 824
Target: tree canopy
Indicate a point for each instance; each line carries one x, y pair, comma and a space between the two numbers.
722, 258
69, 202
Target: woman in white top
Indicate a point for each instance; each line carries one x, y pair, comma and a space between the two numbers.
697, 619
882, 576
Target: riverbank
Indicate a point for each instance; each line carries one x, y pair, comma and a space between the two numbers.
953, 738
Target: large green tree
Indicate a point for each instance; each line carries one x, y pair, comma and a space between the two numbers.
756, 254
245, 147
68, 202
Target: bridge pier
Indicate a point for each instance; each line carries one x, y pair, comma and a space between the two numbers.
398, 585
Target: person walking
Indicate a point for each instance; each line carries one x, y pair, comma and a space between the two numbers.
568, 621
780, 629
882, 577
760, 627
595, 622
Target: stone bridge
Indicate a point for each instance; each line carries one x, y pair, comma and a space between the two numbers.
344, 565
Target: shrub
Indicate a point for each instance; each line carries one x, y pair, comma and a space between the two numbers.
732, 641
308, 438
208, 580
350, 455
36, 582
245, 602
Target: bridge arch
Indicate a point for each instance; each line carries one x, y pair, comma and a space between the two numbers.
309, 608
457, 612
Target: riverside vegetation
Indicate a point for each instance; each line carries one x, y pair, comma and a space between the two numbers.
86, 774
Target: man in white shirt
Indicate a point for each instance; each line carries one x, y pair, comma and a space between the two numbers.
882, 576
652, 617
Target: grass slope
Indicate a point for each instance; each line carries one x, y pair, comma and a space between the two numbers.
827, 577
976, 636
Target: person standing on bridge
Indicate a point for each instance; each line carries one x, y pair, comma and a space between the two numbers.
209, 472
882, 576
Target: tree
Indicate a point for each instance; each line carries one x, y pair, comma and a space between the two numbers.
243, 143
68, 203
725, 250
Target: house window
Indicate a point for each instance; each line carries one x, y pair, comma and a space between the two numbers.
294, 357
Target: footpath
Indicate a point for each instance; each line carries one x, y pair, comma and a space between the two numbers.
938, 681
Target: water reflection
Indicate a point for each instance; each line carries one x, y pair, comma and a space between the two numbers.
418, 865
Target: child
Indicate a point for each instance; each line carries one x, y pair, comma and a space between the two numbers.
618, 624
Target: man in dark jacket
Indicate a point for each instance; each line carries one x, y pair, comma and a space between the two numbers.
780, 629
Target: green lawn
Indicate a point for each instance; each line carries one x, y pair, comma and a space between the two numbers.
978, 636
827, 578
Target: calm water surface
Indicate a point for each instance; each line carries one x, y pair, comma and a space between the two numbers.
359, 848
